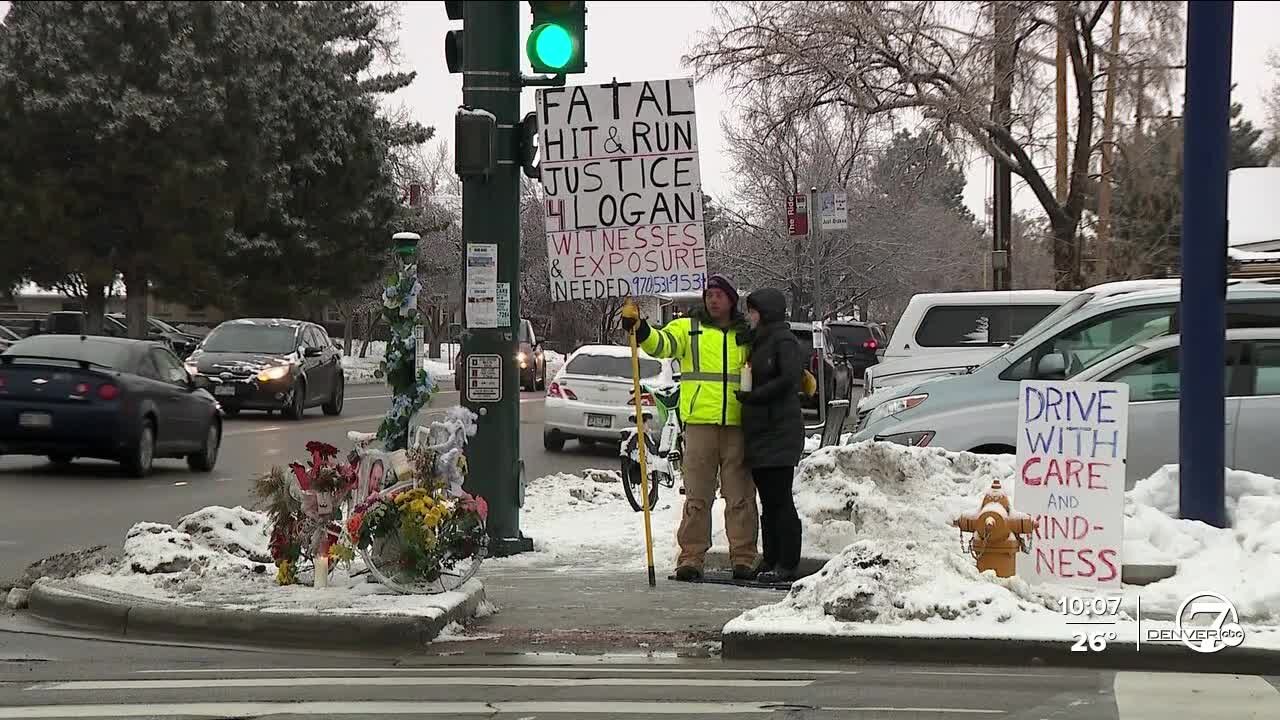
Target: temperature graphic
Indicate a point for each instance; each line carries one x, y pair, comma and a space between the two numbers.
1092, 640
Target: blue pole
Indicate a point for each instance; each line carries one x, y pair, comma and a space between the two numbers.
1206, 142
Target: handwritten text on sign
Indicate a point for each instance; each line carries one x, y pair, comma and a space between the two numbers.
1072, 445
623, 189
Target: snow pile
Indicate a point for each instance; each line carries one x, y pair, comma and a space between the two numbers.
585, 521
884, 512
219, 557
366, 369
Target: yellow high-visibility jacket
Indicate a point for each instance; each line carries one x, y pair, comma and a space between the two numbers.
711, 363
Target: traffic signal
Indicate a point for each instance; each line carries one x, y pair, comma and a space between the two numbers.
557, 41
475, 139
453, 39
529, 146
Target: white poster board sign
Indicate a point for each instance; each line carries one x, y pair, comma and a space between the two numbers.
623, 189
833, 211
1072, 447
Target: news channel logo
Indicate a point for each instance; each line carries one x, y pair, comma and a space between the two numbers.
1206, 622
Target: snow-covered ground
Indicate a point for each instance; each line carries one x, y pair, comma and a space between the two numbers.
217, 557
883, 512
366, 369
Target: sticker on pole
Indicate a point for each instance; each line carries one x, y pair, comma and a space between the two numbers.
623, 189
484, 378
1072, 446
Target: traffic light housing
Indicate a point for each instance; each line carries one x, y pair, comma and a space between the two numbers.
557, 39
453, 39
529, 146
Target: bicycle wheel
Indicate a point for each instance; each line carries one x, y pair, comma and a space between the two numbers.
631, 477
382, 560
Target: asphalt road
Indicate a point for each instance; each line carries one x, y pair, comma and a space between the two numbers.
43, 676
47, 510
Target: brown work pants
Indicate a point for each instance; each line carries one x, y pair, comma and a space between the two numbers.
708, 449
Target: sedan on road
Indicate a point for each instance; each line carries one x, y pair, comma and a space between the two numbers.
590, 399
272, 364
131, 401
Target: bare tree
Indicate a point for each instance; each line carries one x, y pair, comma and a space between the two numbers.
931, 62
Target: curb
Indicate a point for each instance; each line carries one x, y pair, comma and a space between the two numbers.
1131, 574
71, 604
993, 652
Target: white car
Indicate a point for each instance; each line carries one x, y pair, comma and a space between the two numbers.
591, 398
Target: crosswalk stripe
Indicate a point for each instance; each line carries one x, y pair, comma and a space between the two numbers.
383, 707
313, 681
585, 667
1159, 696
325, 708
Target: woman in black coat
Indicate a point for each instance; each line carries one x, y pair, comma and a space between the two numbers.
773, 430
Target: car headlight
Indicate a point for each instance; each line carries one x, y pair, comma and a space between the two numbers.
919, 438
273, 373
895, 406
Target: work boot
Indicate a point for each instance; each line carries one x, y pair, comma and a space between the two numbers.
780, 575
744, 572
688, 573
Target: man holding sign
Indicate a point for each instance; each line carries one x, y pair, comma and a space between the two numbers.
711, 347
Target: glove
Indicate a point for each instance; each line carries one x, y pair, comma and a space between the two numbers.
744, 396
809, 384
630, 317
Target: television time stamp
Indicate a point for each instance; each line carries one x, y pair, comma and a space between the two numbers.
1093, 619
1206, 622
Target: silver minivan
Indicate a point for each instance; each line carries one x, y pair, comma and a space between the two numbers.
962, 412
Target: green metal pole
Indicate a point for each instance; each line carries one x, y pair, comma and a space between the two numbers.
491, 214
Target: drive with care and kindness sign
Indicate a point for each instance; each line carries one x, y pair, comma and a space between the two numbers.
623, 189
1072, 445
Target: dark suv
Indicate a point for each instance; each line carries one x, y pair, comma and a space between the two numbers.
271, 364
857, 343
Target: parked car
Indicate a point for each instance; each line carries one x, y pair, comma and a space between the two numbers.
969, 321
272, 364
591, 399
860, 344
933, 412
918, 368
71, 396
817, 358
73, 322
182, 343
1150, 369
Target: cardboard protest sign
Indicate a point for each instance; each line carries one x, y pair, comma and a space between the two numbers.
1072, 446
623, 188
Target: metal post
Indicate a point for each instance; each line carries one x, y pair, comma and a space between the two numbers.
817, 309
1204, 255
491, 214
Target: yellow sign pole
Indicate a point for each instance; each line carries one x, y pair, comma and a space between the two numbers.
640, 443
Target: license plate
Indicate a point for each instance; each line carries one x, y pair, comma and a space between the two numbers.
600, 421
225, 390
35, 420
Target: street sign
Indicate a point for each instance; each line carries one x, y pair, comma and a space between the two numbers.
484, 378
833, 211
819, 338
623, 189
797, 215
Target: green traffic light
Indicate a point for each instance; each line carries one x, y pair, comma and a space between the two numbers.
552, 45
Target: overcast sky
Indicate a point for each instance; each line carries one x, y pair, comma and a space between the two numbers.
645, 40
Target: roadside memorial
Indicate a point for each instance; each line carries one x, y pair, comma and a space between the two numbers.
623, 203
1072, 446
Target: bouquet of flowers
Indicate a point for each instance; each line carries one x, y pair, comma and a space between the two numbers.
305, 507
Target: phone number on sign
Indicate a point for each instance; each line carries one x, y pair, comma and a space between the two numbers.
652, 285
1092, 615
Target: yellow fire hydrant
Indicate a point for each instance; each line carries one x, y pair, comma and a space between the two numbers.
997, 532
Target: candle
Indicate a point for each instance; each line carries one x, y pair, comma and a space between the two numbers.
322, 571
745, 382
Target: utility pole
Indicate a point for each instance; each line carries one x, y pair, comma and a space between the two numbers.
1206, 147
491, 216
1064, 18
1002, 112
1103, 249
